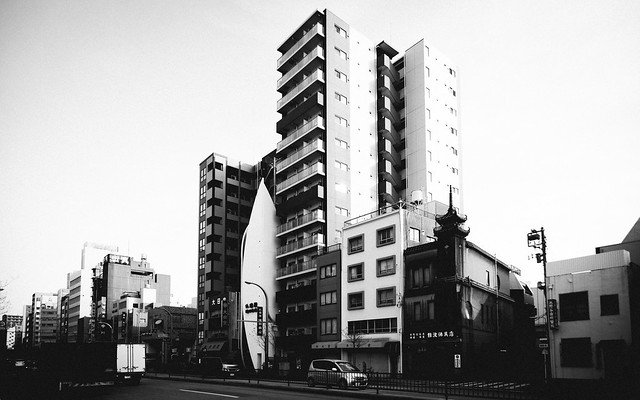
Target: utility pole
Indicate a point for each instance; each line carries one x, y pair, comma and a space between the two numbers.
538, 240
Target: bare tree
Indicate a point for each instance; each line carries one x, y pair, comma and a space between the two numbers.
4, 303
355, 338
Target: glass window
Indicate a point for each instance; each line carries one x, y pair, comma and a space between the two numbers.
574, 306
355, 300
327, 271
576, 352
328, 326
341, 75
356, 244
386, 297
328, 298
341, 53
414, 234
386, 266
386, 236
356, 272
609, 304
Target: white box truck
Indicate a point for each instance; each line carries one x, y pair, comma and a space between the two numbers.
130, 362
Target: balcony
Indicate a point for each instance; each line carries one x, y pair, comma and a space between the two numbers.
386, 88
315, 169
386, 108
388, 152
316, 30
298, 318
305, 86
301, 199
300, 341
318, 52
305, 220
297, 295
389, 173
388, 131
301, 154
386, 67
297, 269
388, 193
310, 242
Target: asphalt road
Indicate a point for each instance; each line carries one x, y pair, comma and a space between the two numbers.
158, 389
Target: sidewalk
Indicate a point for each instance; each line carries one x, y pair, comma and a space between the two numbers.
296, 386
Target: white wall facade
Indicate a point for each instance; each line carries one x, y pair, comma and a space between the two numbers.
600, 274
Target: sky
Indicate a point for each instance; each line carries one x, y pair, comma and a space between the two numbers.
107, 108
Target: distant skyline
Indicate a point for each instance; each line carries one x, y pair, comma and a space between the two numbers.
107, 109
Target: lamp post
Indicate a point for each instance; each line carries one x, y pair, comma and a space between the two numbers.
538, 240
266, 322
110, 327
170, 328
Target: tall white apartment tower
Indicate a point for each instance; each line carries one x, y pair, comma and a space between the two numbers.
362, 127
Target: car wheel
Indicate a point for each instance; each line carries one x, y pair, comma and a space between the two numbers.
342, 384
311, 382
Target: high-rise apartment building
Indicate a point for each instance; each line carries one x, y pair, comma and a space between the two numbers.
362, 127
43, 319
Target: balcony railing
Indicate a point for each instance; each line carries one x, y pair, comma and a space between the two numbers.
297, 268
317, 168
316, 30
317, 215
306, 82
300, 132
311, 241
317, 52
317, 144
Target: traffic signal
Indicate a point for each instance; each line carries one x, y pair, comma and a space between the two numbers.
538, 258
225, 314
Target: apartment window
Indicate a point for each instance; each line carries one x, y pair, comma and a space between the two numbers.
202, 227
203, 174
454, 151
202, 192
342, 144
417, 311
341, 53
329, 326
386, 297
356, 272
341, 75
454, 131
452, 72
427, 93
338, 235
201, 263
327, 271
574, 306
341, 121
355, 300
428, 113
341, 98
427, 71
341, 166
609, 304
328, 298
431, 310
202, 244
429, 155
414, 234
386, 266
430, 176
356, 244
342, 211
386, 236
341, 31
576, 352
370, 326
453, 111
487, 276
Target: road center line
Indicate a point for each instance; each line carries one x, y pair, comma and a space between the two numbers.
209, 393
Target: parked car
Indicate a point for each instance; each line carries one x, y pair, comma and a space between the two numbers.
338, 373
218, 367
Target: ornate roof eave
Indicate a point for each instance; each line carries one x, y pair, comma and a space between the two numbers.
451, 229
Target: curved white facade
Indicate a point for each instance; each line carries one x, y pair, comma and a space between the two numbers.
259, 266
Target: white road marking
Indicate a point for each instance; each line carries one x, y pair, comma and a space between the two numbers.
209, 393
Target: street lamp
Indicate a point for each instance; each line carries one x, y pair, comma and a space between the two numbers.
538, 240
110, 327
266, 322
170, 330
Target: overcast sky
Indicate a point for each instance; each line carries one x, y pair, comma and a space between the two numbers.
107, 108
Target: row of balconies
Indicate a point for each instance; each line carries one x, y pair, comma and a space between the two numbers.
318, 52
307, 219
297, 295
309, 242
315, 169
297, 268
316, 122
306, 86
302, 198
300, 155
317, 30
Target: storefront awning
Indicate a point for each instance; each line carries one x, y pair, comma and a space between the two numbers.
324, 345
363, 344
212, 346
